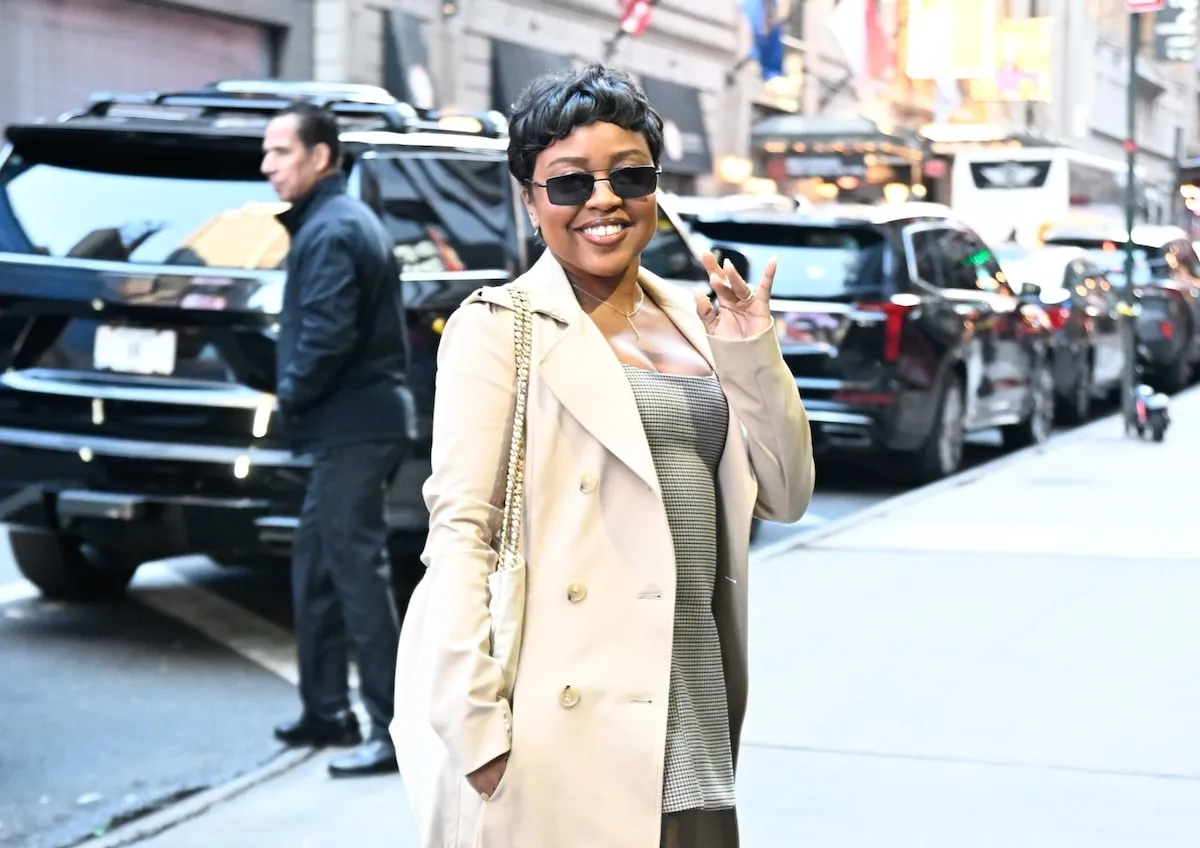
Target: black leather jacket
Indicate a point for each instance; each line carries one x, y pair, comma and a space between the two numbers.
341, 356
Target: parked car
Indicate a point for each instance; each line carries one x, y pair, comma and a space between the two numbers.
140, 284
901, 329
1088, 352
690, 207
1166, 290
1009, 251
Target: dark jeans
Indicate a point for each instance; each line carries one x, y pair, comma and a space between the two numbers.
340, 583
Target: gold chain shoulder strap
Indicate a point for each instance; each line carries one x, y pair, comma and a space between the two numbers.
514, 489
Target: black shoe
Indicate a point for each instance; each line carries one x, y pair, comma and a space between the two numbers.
311, 732
375, 756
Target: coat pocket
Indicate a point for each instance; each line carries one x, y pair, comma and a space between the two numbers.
493, 827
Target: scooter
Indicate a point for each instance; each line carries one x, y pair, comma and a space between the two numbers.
1151, 412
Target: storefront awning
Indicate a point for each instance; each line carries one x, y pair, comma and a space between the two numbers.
514, 66
831, 149
826, 132
406, 61
685, 140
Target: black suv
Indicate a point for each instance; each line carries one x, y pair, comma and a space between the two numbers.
140, 282
900, 328
1166, 279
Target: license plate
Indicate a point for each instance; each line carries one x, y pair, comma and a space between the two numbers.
134, 350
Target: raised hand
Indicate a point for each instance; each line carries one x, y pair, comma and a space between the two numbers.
741, 312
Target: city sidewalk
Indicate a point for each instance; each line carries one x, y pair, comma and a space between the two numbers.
1007, 660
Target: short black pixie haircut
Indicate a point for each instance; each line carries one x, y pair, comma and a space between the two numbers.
314, 126
554, 105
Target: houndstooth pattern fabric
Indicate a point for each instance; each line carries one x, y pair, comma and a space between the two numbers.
686, 419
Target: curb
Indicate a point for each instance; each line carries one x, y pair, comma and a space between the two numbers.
200, 803
930, 490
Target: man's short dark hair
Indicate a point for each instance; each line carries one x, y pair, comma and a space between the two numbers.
554, 105
314, 126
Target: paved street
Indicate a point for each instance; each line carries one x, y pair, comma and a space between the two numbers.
176, 689
987, 663
109, 710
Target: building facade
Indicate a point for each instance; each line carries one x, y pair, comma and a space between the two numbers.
929, 91
54, 53
477, 55
1091, 106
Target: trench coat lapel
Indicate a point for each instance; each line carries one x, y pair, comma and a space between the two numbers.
680, 307
578, 366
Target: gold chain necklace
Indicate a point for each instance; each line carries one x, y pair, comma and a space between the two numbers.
628, 315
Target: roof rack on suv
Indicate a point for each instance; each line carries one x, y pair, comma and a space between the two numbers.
368, 106
491, 124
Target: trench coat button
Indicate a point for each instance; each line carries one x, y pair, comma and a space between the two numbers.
587, 483
568, 697
576, 592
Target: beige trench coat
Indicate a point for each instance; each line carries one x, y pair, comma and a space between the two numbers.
587, 734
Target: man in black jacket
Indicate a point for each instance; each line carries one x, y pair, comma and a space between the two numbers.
341, 394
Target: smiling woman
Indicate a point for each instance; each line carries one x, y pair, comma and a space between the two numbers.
658, 426
587, 159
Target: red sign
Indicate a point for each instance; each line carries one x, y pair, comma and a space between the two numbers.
1135, 6
635, 16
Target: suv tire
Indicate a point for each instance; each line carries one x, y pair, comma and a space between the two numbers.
66, 568
942, 453
1038, 425
1178, 375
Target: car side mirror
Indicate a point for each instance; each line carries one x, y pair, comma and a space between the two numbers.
739, 261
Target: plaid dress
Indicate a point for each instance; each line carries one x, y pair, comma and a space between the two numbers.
686, 419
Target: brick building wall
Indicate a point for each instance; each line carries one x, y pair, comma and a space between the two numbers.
54, 53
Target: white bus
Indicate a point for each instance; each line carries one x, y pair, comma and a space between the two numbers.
1007, 191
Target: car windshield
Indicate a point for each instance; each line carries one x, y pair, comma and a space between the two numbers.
88, 207
814, 261
1008, 252
668, 255
1110, 258
445, 213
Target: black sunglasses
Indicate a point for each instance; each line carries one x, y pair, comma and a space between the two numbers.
626, 183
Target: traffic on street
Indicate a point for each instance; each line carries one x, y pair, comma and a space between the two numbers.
573, 306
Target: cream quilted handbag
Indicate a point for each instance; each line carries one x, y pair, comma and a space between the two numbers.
445, 806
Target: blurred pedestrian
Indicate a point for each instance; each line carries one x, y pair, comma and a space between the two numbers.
657, 427
340, 376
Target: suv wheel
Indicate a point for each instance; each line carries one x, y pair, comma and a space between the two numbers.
1178, 376
943, 451
67, 568
1036, 428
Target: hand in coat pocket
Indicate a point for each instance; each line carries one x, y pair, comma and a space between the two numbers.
486, 779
